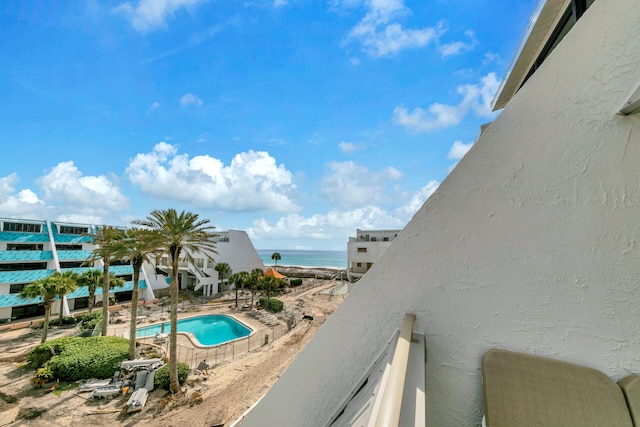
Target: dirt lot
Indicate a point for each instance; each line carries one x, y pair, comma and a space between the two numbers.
217, 397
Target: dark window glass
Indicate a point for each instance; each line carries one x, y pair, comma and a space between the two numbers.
22, 227
25, 311
80, 303
63, 247
16, 288
71, 264
68, 229
25, 246
23, 266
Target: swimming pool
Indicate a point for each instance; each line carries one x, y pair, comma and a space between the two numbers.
210, 329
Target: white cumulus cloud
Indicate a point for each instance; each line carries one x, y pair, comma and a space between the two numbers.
416, 200
456, 48
251, 182
91, 196
380, 36
190, 100
475, 97
24, 204
349, 185
149, 15
459, 149
350, 147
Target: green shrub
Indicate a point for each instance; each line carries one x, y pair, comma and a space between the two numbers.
295, 282
161, 377
43, 376
76, 358
272, 304
90, 320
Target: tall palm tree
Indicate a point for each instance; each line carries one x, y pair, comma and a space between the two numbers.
239, 279
48, 289
178, 231
108, 249
91, 279
254, 280
107, 239
141, 245
276, 257
67, 282
222, 268
269, 284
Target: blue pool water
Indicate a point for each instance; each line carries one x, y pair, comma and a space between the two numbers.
210, 329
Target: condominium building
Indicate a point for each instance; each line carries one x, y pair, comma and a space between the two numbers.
34, 249
364, 249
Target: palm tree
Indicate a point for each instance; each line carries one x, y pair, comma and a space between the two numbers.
254, 280
239, 279
68, 282
106, 238
269, 284
178, 231
48, 289
222, 268
276, 257
140, 245
91, 279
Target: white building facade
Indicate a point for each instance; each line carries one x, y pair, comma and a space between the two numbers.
364, 249
531, 244
233, 247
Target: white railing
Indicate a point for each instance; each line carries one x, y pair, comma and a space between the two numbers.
391, 403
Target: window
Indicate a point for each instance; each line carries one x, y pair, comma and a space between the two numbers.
67, 247
27, 311
120, 262
71, 264
79, 303
211, 264
22, 227
13, 266
24, 247
362, 250
359, 264
16, 288
68, 229
199, 262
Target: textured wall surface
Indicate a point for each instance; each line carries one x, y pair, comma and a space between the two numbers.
531, 244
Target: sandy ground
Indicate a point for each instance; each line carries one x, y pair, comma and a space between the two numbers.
215, 398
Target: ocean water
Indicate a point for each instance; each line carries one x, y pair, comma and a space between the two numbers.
302, 258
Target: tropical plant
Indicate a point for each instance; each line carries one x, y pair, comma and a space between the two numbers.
276, 257
269, 284
254, 280
48, 289
67, 282
91, 279
140, 246
178, 232
222, 268
107, 239
239, 279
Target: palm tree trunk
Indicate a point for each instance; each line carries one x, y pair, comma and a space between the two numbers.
45, 325
134, 310
105, 297
92, 296
174, 385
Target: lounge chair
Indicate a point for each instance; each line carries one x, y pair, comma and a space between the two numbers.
526, 391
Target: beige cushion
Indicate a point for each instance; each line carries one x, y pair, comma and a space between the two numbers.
522, 390
631, 388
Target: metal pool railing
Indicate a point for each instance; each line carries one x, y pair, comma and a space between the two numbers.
215, 355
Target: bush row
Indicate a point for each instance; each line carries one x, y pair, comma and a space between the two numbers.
295, 282
76, 358
89, 320
271, 304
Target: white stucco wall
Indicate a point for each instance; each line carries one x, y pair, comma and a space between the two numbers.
531, 244
238, 252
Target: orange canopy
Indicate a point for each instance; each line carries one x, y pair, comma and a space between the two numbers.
272, 273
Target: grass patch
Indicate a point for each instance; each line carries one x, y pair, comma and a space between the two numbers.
65, 387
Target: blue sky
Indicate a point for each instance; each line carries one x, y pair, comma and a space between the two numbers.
295, 120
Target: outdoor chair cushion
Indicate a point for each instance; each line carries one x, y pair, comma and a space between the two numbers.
525, 390
631, 388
